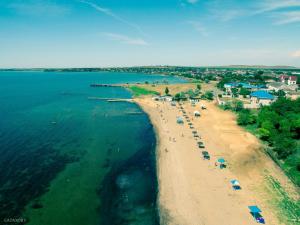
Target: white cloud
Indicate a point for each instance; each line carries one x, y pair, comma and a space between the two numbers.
287, 17
272, 5
125, 39
228, 15
296, 54
198, 27
108, 12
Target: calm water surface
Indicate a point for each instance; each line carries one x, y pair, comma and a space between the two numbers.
68, 160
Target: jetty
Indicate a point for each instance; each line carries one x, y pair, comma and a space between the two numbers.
105, 85
111, 99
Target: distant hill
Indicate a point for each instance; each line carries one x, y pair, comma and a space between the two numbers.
260, 67
95, 69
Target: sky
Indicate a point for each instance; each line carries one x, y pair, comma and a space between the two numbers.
106, 33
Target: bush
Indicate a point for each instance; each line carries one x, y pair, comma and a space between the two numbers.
264, 134
245, 117
208, 95
238, 106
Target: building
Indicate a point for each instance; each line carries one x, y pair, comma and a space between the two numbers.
289, 80
260, 98
277, 86
239, 85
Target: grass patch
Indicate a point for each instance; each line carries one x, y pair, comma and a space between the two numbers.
289, 208
138, 91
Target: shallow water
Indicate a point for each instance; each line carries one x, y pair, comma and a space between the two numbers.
65, 159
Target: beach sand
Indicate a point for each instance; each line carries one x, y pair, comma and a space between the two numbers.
193, 191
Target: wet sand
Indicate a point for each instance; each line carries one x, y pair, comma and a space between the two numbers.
193, 191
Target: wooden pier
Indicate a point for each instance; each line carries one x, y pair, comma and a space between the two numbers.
105, 85
111, 99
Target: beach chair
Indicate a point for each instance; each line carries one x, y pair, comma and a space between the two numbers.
200, 144
205, 155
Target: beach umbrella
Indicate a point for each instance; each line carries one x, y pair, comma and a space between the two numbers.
179, 120
254, 209
235, 182
255, 212
221, 160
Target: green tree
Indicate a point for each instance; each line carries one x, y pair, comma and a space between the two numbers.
167, 91
208, 95
199, 87
227, 106
177, 97
234, 92
264, 134
238, 105
246, 117
244, 92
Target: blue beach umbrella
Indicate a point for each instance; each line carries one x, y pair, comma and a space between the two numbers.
221, 160
255, 212
254, 209
235, 184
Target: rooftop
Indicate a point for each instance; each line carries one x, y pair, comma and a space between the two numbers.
262, 95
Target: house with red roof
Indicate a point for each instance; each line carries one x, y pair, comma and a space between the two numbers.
289, 80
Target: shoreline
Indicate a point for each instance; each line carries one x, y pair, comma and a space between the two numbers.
189, 188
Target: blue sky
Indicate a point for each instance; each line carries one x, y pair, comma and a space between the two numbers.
90, 33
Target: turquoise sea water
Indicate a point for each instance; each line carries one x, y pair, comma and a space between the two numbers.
65, 159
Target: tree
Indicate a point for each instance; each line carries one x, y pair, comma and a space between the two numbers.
227, 106
246, 117
208, 95
177, 97
199, 87
234, 92
167, 91
264, 134
238, 105
244, 92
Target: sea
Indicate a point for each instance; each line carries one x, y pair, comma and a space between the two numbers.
69, 159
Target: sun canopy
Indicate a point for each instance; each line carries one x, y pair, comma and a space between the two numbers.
254, 209
179, 120
221, 160
235, 182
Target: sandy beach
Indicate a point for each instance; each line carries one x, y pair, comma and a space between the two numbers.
194, 191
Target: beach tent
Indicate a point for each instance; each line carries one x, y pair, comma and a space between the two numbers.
255, 212
180, 120
235, 185
196, 113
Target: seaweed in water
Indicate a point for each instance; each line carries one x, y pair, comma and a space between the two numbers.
128, 192
25, 175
